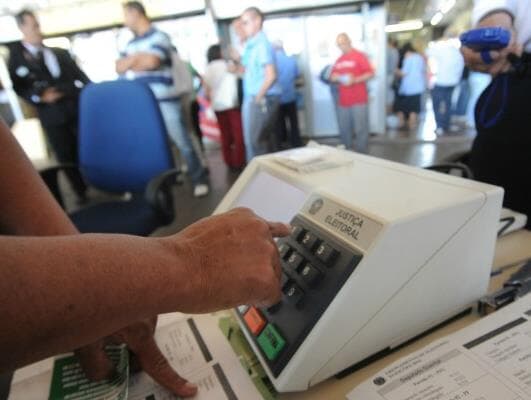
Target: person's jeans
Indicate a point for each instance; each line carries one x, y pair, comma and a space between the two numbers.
260, 123
171, 113
288, 116
461, 106
442, 105
354, 121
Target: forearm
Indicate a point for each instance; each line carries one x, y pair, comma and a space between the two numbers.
123, 65
268, 82
144, 62
26, 205
23, 89
59, 293
364, 77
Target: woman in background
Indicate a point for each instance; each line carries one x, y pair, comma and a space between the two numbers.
412, 86
222, 90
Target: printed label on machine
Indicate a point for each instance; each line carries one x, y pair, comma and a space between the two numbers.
350, 225
489, 360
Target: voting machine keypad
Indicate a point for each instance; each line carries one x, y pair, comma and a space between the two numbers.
314, 268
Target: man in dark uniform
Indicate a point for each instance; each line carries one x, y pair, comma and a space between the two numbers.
51, 81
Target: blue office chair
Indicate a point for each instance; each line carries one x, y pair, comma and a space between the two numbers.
123, 147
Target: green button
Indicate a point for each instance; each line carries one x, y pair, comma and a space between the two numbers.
271, 342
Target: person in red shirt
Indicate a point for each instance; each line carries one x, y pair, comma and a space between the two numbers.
351, 71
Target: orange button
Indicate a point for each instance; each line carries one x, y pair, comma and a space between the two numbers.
254, 320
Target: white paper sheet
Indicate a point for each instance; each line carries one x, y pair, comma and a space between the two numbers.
489, 360
207, 360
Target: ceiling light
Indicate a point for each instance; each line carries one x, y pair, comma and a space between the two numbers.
447, 6
412, 25
437, 18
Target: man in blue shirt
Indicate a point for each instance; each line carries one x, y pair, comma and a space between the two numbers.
288, 72
260, 89
147, 58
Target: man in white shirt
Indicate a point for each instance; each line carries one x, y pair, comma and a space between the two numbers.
501, 153
446, 63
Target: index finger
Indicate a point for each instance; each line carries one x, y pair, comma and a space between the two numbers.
279, 229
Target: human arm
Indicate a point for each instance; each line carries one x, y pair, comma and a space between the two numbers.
62, 292
406, 67
77, 72
270, 75
29, 335
499, 14
366, 71
234, 62
21, 189
364, 74
25, 83
72, 78
362, 78
138, 62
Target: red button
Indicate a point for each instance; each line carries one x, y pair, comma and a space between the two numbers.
254, 320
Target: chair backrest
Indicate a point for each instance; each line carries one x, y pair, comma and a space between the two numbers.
122, 136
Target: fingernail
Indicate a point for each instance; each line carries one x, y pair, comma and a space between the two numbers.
190, 386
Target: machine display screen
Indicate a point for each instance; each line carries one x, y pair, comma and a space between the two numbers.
271, 198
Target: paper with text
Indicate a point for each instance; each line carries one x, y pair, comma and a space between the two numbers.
488, 360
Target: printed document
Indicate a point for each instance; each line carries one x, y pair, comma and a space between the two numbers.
488, 360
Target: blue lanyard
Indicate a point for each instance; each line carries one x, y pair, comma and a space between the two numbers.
500, 83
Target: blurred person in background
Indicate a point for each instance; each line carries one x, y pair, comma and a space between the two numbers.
412, 76
446, 63
501, 152
147, 58
193, 112
325, 76
5, 108
222, 90
234, 54
351, 72
50, 80
460, 110
393, 58
187, 82
261, 90
287, 75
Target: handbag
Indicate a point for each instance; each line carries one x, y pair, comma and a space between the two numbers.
182, 77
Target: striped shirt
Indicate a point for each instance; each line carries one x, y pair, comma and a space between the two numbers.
159, 80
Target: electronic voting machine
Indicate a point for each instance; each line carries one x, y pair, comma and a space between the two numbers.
379, 253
